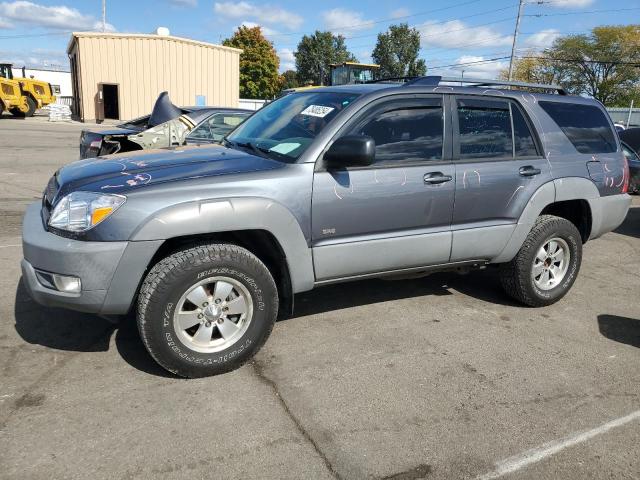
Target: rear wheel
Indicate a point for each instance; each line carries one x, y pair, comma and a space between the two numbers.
31, 104
206, 310
547, 264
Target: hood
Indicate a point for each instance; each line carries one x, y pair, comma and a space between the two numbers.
126, 171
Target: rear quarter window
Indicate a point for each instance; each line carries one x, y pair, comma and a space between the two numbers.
586, 126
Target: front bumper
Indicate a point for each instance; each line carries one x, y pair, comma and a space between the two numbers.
110, 272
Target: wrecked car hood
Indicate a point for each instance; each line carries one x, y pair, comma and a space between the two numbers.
122, 172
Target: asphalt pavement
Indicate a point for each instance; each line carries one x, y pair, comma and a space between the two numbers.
442, 377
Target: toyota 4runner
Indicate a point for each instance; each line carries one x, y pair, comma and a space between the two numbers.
209, 243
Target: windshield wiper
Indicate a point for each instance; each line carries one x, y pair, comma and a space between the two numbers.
261, 152
248, 145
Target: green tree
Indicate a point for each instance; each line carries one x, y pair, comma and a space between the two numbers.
397, 52
603, 64
532, 68
316, 53
259, 63
290, 79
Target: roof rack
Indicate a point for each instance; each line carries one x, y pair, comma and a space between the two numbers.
478, 82
392, 80
434, 81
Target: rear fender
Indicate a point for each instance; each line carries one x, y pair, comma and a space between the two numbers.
561, 189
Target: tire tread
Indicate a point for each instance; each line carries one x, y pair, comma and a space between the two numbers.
159, 277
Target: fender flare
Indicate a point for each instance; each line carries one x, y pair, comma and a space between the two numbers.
558, 190
234, 214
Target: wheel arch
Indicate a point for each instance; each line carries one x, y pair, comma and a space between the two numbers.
234, 217
262, 243
572, 198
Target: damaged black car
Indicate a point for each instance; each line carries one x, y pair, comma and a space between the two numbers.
167, 126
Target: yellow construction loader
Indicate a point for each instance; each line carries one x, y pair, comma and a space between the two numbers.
22, 96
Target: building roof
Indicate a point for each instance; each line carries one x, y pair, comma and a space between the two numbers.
153, 36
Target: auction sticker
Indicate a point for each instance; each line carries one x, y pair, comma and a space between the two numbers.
317, 111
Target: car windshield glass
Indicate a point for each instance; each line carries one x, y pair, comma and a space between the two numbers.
284, 129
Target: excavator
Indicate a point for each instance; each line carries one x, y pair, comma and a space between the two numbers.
22, 96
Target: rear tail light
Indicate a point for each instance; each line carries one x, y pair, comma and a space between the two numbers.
625, 175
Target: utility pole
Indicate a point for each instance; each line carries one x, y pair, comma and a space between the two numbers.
515, 39
104, 16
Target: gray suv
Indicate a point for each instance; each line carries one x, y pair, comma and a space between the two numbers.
208, 244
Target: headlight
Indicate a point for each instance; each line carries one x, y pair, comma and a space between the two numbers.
80, 211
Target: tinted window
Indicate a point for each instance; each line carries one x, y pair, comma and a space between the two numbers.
525, 146
406, 134
585, 125
485, 129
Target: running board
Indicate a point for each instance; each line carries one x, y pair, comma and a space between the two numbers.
391, 273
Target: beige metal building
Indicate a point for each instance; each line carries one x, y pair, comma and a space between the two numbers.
119, 76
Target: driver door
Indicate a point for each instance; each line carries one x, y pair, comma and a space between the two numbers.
396, 213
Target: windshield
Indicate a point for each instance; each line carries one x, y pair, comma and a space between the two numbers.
284, 129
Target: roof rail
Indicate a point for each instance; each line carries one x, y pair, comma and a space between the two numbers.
477, 82
392, 80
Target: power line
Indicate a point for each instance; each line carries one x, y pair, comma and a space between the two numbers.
565, 60
33, 35
448, 21
444, 22
562, 14
582, 60
475, 62
389, 19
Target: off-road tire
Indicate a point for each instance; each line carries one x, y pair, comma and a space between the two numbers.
171, 277
29, 113
516, 276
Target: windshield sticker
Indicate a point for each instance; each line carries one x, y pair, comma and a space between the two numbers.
317, 111
285, 148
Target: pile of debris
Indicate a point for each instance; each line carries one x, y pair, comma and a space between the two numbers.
59, 112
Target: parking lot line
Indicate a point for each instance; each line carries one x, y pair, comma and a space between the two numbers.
11, 245
522, 460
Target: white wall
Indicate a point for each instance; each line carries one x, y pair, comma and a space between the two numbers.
62, 79
250, 104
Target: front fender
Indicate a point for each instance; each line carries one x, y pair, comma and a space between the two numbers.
234, 214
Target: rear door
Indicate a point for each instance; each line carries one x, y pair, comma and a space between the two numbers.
396, 213
499, 165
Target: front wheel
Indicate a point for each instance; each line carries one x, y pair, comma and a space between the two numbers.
31, 109
546, 265
206, 310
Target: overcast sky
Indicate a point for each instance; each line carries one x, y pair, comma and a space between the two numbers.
459, 34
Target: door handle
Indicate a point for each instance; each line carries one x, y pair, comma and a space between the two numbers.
435, 178
529, 171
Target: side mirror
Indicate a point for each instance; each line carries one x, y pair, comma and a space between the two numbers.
351, 150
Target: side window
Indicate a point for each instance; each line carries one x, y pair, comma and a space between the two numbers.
217, 126
525, 146
485, 129
406, 134
584, 125
202, 131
